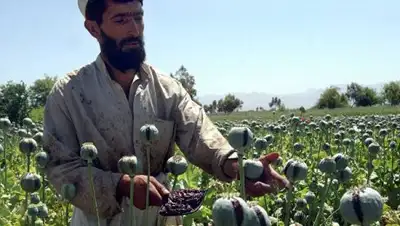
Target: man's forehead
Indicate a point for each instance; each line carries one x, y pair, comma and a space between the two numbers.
115, 7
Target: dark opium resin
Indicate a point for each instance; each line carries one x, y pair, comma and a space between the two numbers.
182, 202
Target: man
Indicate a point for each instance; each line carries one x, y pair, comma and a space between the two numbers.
107, 101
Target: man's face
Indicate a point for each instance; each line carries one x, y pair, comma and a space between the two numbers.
121, 38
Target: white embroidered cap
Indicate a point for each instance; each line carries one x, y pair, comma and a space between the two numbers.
82, 6
83, 3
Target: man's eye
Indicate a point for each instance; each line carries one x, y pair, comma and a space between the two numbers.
139, 18
119, 20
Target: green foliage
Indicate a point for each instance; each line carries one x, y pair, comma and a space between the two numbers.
36, 114
331, 98
14, 101
275, 102
229, 104
362, 96
187, 80
40, 90
211, 108
270, 115
391, 93
384, 177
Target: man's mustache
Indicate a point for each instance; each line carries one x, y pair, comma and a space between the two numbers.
138, 40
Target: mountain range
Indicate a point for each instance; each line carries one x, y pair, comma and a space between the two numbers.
307, 99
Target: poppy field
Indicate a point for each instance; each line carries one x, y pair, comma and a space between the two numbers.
343, 170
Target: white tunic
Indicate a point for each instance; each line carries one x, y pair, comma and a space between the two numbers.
88, 106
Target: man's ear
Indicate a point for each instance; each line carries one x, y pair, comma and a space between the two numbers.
93, 29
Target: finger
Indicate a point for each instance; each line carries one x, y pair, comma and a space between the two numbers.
154, 196
162, 190
258, 189
139, 200
281, 180
267, 159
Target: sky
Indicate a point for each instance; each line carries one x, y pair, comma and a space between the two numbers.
277, 47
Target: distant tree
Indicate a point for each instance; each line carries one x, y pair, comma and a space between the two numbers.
368, 97
187, 80
353, 92
207, 108
391, 93
275, 102
331, 98
361, 96
40, 90
214, 106
229, 104
14, 101
220, 105
259, 108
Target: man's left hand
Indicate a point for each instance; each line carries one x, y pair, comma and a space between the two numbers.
269, 182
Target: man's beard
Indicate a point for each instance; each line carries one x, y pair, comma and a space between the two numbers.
120, 59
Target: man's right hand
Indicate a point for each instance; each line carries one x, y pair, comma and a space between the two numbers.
156, 190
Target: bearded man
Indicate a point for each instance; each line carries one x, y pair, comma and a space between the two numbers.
106, 102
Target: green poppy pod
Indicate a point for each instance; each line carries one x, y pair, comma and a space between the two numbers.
240, 138
22, 133
68, 191
42, 158
327, 165
301, 203
5, 123
362, 206
149, 133
27, 122
295, 170
392, 145
279, 202
177, 165
88, 151
368, 141
326, 147
223, 213
298, 146
262, 215
32, 210
30, 182
374, 148
34, 197
128, 165
43, 211
269, 138
346, 141
27, 146
299, 217
344, 175
341, 161
260, 144
38, 137
253, 169
310, 197
233, 212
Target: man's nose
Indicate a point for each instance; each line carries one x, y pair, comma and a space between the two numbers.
136, 29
